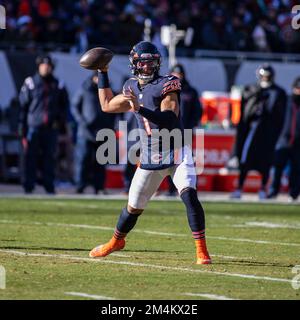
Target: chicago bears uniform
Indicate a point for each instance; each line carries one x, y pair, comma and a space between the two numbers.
150, 96
155, 101
152, 168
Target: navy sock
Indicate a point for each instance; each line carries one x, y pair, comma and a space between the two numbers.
195, 213
125, 223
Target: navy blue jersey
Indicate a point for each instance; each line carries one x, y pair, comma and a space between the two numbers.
153, 155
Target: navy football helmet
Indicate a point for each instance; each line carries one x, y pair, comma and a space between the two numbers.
145, 61
265, 75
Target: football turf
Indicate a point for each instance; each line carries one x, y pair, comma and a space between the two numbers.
254, 249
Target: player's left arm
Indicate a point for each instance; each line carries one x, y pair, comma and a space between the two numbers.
170, 103
167, 116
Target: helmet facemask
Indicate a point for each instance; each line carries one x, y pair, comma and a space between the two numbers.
265, 77
145, 69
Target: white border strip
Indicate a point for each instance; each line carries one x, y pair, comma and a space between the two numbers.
146, 265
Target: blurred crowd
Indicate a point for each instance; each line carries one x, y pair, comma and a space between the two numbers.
249, 25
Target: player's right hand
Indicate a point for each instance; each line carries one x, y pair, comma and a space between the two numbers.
132, 99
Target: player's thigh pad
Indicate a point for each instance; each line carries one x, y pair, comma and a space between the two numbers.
144, 184
184, 174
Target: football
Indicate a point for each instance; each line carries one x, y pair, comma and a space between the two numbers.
96, 58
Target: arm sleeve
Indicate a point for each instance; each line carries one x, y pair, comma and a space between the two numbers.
165, 119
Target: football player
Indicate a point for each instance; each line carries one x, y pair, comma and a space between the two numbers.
263, 108
155, 101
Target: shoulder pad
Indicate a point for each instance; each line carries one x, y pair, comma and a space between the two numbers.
127, 83
171, 84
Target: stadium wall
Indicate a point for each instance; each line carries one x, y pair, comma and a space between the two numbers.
204, 74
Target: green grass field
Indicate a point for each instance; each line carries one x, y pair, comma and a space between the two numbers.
254, 248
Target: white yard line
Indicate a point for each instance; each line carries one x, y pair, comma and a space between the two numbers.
121, 255
207, 296
91, 296
230, 257
64, 204
256, 241
146, 265
85, 226
265, 224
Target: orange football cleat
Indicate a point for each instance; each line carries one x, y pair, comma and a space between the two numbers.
204, 260
202, 252
107, 248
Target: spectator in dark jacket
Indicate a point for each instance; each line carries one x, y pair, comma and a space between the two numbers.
43, 108
288, 148
190, 107
90, 119
263, 110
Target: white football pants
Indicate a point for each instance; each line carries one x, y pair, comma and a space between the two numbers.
146, 182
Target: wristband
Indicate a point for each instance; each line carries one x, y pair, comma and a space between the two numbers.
103, 81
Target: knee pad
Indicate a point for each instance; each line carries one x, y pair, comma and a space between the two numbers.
194, 209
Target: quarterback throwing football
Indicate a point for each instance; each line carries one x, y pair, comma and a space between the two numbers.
155, 101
